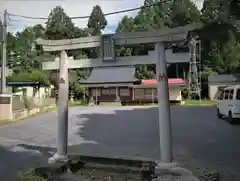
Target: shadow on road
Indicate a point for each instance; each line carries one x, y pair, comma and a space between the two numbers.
200, 140
20, 158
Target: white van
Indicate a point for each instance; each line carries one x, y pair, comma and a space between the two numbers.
228, 103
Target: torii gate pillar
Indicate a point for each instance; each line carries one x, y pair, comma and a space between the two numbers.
165, 133
62, 124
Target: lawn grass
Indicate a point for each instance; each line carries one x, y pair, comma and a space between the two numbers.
204, 102
76, 104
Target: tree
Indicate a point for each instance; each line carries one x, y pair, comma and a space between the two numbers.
234, 8
39, 31
153, 17
221, 51
126, 25
161, 15
22, 53
97, 21
229, 58
210, 11
184, 12
59, 25
76, 90
34, 75
78, 32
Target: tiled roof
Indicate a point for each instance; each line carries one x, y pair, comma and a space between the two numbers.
111, 75
224, 78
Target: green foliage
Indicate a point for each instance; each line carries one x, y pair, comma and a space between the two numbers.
207, 72
221, 37
77, 91
145, 72
184, 12
35, 75
25, 57
126, 25
30, 176
164, 15
59, 25
97, 21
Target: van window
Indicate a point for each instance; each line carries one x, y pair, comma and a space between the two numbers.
221, 96
230, 94
226, 93
238, 94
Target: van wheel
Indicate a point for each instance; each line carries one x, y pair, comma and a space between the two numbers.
230, 118
219, 114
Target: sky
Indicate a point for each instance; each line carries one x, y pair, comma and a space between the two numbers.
41, 8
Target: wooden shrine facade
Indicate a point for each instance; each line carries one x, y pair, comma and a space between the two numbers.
139, 92
118, 84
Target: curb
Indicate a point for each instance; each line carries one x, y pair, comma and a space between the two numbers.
172, 171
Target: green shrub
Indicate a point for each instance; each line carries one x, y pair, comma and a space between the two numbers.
30, 176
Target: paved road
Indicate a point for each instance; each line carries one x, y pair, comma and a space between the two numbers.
200, 139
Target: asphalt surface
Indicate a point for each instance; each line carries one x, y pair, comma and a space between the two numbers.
200, 139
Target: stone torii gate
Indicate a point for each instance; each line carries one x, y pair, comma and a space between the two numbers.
108, 58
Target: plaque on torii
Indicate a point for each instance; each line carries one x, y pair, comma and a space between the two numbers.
107, 48
108, 57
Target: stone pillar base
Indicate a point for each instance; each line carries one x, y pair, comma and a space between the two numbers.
91, 102
117, 101
58, 158
5, 107
173, 169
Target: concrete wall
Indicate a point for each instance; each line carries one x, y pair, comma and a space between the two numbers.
5, 107
21, 114
35, 93
175, 94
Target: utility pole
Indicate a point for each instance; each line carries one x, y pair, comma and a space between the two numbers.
4, 54
194, 81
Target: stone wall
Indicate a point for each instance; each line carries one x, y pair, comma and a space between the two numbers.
21, 114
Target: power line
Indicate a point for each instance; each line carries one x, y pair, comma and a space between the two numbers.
84, 17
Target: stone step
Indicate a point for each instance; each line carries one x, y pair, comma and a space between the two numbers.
110, 104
